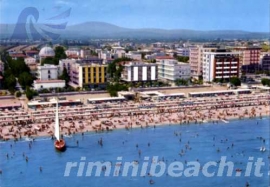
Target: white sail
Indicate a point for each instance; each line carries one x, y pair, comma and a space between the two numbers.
56, 127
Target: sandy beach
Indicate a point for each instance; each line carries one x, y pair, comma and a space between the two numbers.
23, 122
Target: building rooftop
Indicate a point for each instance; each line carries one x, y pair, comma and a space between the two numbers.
164, 57
48, 81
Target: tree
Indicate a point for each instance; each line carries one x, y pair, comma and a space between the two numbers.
25, 79
49, 60
235, 81
18, 94
265, 82
182, 58
65, 76
10, 82
179, 82
30, 93
113, 71
114, 88
60, 53
18, 66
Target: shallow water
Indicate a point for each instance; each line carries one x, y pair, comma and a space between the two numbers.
204, 141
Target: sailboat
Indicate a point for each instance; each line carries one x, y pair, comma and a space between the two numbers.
59, 143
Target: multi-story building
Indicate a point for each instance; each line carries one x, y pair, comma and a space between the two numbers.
220, 65
196, 58
89, 72
265, 62
139, 72
170, 70
182, 51
47, 72
249, 58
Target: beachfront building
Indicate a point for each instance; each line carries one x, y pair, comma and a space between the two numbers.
47, 72
90, 72
220, 65
48, 84
265, 62
196, 58
170, 70
139, 72
249, 57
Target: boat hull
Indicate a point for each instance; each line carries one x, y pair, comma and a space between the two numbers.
60, 145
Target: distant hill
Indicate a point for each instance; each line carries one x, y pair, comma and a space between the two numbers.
105, 30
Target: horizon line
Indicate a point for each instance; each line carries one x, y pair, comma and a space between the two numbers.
169, 29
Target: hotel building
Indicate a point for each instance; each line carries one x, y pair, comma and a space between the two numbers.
249, 58
220, 65
91, 72
170, 70
47, 72
139, 72
265, 62
196, 58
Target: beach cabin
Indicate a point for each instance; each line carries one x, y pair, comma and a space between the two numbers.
242, 91
107, 100
211, 93
44, 104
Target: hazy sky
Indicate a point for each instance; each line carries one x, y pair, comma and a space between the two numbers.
249, 15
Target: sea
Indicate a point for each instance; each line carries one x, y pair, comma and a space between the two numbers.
188, 155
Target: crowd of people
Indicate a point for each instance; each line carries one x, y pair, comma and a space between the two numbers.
106, 116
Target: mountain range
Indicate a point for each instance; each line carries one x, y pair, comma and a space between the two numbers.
90, 30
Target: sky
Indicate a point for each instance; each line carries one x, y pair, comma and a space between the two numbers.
247, 15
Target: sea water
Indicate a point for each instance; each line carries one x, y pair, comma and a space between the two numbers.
205, 142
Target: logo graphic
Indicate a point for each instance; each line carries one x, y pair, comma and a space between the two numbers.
28, 27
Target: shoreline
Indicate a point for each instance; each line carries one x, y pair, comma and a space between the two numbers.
37, 137
21, 123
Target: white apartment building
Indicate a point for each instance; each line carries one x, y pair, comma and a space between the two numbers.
220, 65
171, 70
139, 71
47, 72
